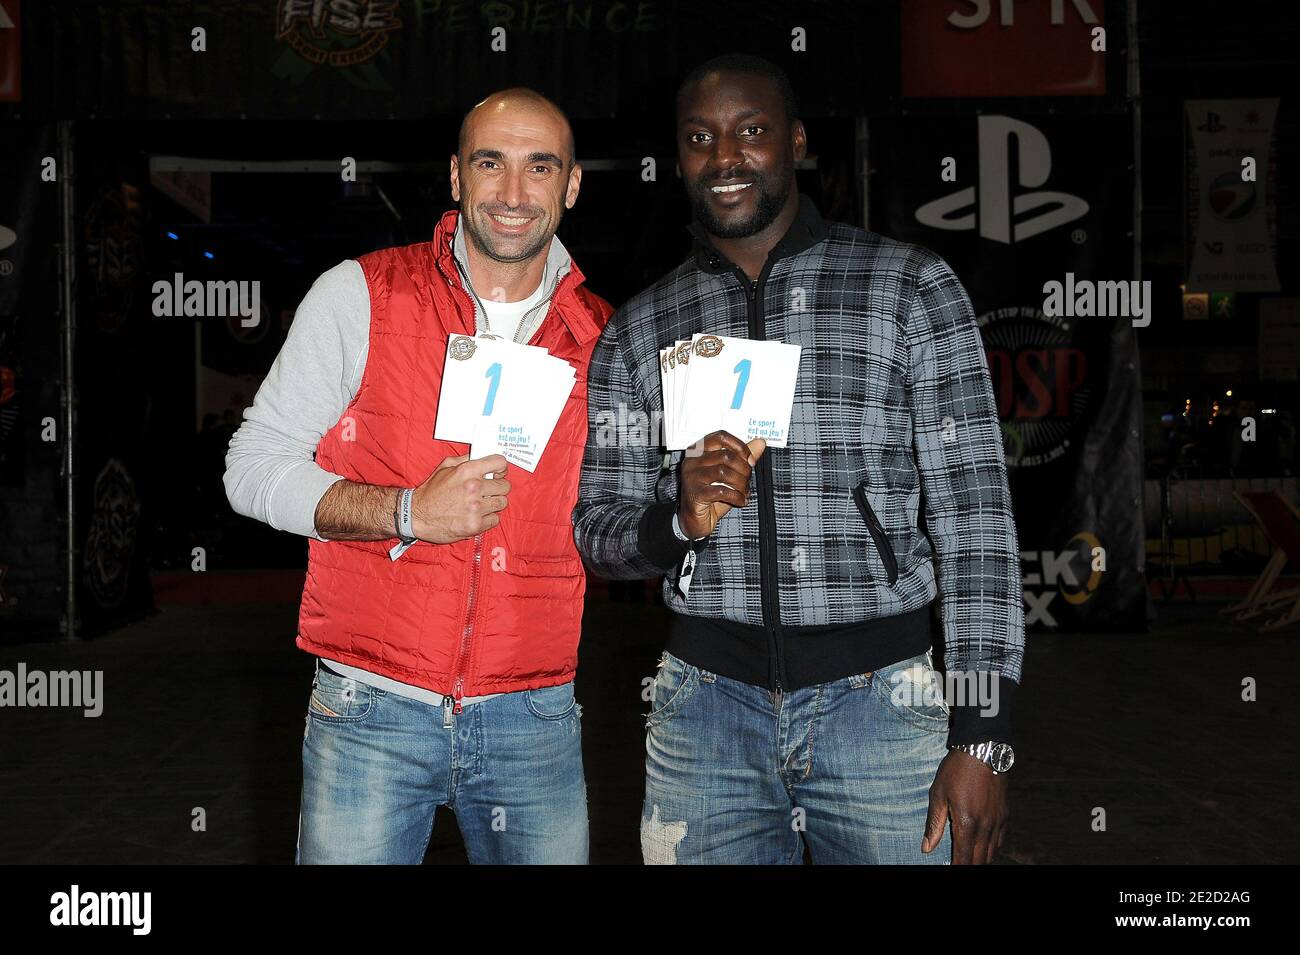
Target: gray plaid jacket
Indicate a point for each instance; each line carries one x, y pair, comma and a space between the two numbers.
893, 394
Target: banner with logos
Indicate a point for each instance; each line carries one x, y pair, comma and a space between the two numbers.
1231, 207
1034, 214
115, 365
408, 59
31, 555
22, 254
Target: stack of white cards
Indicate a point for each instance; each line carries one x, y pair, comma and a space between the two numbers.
501, 397
716, 383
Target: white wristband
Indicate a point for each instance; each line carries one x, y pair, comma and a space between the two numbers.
405, 526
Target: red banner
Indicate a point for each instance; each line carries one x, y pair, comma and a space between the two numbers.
11, 46
978, 48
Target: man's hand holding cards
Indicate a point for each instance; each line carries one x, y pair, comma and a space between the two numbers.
502, 398
738, 385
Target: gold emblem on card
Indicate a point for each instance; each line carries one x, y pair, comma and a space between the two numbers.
462, 348
709, 346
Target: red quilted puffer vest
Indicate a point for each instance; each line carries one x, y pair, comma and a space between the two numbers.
499, 612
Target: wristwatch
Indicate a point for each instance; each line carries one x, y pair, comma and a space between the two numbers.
997, 756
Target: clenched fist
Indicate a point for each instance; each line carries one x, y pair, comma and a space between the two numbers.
457, 501
715, 480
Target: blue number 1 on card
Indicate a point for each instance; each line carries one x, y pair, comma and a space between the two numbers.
493, 372
742, 367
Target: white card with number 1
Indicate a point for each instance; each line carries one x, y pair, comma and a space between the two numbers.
742, 386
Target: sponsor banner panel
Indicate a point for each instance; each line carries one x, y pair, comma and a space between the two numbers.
1231, 196
1034, 214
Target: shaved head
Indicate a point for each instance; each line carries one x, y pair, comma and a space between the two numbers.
517, 99
514, 174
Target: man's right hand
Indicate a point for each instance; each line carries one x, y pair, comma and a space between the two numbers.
715, 480
457, 501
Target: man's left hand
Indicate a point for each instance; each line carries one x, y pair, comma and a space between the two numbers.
974, 797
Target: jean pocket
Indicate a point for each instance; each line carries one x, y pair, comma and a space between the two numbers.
340, 699
551, 702
914, 690
673, 686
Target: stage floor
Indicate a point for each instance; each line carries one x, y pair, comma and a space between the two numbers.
204, 707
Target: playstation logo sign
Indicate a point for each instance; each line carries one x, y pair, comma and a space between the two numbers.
1001, 216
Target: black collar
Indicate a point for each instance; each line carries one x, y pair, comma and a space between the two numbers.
807, 229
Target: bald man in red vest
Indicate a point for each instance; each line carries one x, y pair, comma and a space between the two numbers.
444, 677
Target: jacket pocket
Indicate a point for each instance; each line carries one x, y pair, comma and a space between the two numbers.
877, 530
564, 567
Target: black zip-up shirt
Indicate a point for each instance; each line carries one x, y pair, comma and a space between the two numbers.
827, 571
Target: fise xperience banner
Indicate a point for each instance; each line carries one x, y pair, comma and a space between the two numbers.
1034, 213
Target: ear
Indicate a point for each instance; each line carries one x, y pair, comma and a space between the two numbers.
575, 181
454, 175
800, 139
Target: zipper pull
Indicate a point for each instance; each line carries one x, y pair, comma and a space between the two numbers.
687, 572
446, 712
457, 694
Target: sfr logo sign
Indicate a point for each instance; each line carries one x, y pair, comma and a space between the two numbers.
979, 48
983, 9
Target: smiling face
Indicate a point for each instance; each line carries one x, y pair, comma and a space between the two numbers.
736, 149
514, 175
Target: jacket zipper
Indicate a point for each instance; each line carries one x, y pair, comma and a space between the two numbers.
462, 652
476, 565
462, 655
768, 572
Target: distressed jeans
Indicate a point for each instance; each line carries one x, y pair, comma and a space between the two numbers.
736, 773
376, 766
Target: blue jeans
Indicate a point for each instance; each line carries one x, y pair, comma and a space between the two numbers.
736, 773
376, 766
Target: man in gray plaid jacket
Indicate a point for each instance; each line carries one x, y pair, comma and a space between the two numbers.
797, 706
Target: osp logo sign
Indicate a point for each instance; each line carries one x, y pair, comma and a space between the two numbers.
1040, 382
995, 207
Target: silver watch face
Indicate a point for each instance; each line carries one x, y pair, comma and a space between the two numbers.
1001, 757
